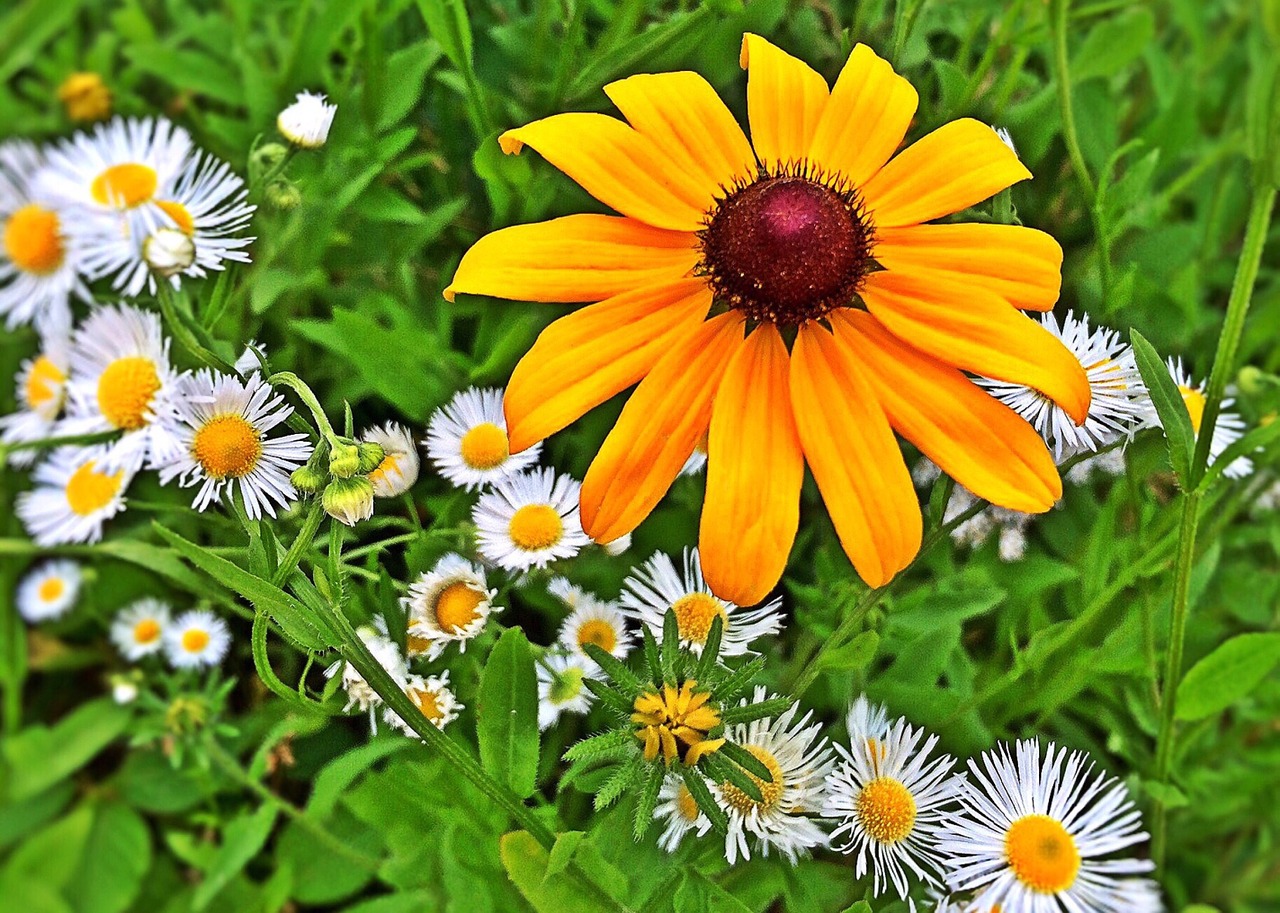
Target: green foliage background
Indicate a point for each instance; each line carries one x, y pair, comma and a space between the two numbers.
345, 291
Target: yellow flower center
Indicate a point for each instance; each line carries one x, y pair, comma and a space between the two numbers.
390, 463
694, 614
51, 589
485, 447
416, 644
1042, 854
686, 805
147, 631
770, 791
85, 97
89, 491
227, 446
195, 640
675, 723
125, 390
1195, 406
180, 214
32, 240
43, 383
125, 186
599, 632
457, 606
535, 527
886, 810
429, 703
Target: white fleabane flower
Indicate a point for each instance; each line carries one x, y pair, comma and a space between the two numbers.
1119, 399
48, 591
1037, 835
891, 802
448, 604
220, 424
596, 621
529, 520
139, 630
168, 251
467, 440
399, 467
41, 392
306, 122
251, 359
196, 638
1009, 526
387, 653
798, 758
124, 690
658, 587
73, 497
679, 813
1228, 429
434, 699
560, 686
866, 721
1107, 464
40, 263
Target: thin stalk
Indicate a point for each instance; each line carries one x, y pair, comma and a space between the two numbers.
291, 380
1062, 72
306, 536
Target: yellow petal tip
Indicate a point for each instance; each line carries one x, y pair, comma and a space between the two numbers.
511, 143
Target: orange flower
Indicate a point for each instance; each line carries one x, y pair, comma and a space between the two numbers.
790, 299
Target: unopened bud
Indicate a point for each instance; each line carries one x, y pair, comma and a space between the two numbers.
307, 479
344, 459
268, 156
169, 251
1250, 380
349, 500
284, 195
371, 455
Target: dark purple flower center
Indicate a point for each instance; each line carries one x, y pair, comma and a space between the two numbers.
786, 248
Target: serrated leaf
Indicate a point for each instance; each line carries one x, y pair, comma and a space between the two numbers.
1227, 674
507, 714
1171, 408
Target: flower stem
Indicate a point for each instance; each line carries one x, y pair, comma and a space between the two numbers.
1062, 71
299, 386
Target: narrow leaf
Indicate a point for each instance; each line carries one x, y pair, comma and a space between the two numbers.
1227, 674
1170, 406
507, 714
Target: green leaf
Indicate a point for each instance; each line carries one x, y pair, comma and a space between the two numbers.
163, 562
117, 854
1166, 794
39, 756
1170, 406
699, 894
1259, 438
448, 23
562, 852
527, 862
1113, 44
1227, 674
860, 907
507, 714
856, 654
242, 839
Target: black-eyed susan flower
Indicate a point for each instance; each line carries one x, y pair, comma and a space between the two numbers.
48, 591
1228, 429
306, 122
1119, 401
196, 639
448, 604
658, 588
40, 264
787, 298
399, 467
891, 802
467, 440
1040, 832
220, 425
434, 699
138, 630
562, 686
40, 392
74, 495
529, 520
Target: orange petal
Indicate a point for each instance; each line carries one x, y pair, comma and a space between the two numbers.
622, 168
685, 117
976, 439
785, 98
754, 471
975, 330
863, 124
954, 167
854, 457
1021, 265
588, 356
573, 258
660, 425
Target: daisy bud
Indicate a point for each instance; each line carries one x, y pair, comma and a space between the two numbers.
267, 156
1250, 380
307, 480
85, 97
344, 459
124, 690
283, 195
349, 500
371, 455
168, 251
306, 122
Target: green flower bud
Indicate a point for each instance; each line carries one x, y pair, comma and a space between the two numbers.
284, 195
371, 455
1251, 380
349, 500
344, 459
268, 155
307, 479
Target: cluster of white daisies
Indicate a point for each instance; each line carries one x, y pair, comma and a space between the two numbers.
1028, 828
1120, 408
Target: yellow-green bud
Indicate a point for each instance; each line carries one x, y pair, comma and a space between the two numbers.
371, 455
344, 459
284, 195
307, 479
1251, 380
268, 155
349, 500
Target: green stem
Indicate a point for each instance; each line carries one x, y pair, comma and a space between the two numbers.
45, 443
1062, 71
291, 380
904, 17
301, 542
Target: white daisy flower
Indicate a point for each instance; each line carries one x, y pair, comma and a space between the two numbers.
891, 800
388, 655
433, 697
306, 122
1032, 834
196, 638
399, 467
448, 604
595, 621
618, 546
73, 496
220, 424
121, 380
529, 520
48, 591
1009, 526
659, 587
249, 361
124, 690
1119, 404
866, 721
679, 811
1227, 430
798, 758
1108, 464
467, 440
140, 629
1006, 138
41, 393
560, 686
40, 262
